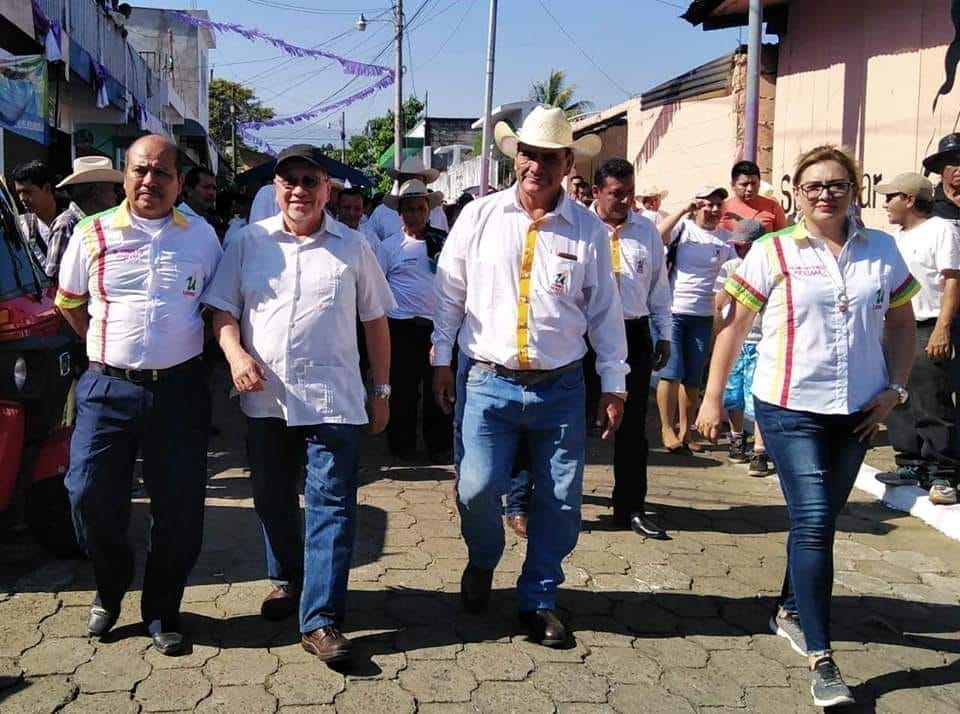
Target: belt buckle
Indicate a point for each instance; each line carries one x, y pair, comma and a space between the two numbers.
139, 376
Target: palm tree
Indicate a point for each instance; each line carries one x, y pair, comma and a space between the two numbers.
555, 92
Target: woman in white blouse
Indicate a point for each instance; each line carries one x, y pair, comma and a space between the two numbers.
832, 295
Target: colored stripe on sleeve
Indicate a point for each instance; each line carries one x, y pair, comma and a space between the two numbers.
905, 293
741, 291
68, 300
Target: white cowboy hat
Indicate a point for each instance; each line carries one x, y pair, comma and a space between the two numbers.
645, 190
92, 169
413, 188
414, 166
546, 128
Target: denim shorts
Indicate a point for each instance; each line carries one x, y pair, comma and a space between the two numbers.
736, 395
689, 340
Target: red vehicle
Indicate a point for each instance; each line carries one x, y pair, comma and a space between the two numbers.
40, 359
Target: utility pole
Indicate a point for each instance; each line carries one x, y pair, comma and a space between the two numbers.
488, 101
233, 134
751, 118
343, 137
398, 100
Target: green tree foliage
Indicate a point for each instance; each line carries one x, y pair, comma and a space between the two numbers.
555, 92
364, 150
223, 94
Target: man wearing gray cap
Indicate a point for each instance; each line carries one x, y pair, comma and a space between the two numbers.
922, 430
286, 298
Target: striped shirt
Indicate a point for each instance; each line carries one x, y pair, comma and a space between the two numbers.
141, 281
821, 348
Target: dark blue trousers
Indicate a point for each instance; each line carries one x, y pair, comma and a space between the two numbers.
169, 422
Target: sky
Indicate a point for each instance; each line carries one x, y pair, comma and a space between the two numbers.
636, 45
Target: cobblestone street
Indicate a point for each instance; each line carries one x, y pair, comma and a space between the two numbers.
676, 626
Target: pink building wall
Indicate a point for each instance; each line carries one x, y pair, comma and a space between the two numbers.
863, 73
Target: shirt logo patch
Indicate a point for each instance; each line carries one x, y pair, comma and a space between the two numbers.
878, 299
559, 283
190, 288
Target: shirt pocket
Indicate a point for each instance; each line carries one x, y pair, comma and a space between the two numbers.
180, 279
637, 257
322, 285
561, 277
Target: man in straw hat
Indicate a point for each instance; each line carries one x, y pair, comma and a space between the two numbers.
649, 198
523, 275
93, 188
385, 221
287, 297
409, 262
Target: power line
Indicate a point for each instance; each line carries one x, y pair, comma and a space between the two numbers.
308, 10
452, 33
588, 57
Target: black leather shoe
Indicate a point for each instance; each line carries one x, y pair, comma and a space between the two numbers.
100, 621
545, 627
641, 525
166, 637
475, 586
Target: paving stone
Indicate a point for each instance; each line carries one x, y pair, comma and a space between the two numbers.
645, 619
111, 670
704, 687
437, 681
204, 593
908, 700
633, 698
511, 698
429, 642
69, 598
197, 656
366, 697
405, 559
672, 652
172, 690
653, 577
700, 564
378, 658
713, 634
56, 655
782, 700
844, 548
67, 622
10, 672
538, 653
946, 584
571, 682
597, 562
17, 638
109, 703
23, 608
858, 583
623, 665
601, 631
918, 562
228, 700
411, 580
240, 666
306, 683
887, 572
914, 592
750, 669
38, 696
498, 662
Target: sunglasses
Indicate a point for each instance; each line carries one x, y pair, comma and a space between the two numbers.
307, 182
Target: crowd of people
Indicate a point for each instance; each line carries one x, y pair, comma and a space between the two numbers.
335, 315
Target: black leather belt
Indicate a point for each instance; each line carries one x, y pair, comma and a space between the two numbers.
528, 377
141, 376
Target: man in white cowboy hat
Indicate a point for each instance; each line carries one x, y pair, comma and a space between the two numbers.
384, 221
523, 275
93, 188
409, 262
649, 198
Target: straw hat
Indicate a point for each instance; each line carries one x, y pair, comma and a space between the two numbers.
546, 128
414, 166
646, 190
414, 188
92, 169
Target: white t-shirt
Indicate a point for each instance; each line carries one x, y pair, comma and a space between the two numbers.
728, 270
655, 216
700, 256
405, 264
929, 249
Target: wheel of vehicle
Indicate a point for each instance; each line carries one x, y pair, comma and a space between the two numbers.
48, 515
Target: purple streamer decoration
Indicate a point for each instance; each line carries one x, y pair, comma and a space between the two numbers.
349, 66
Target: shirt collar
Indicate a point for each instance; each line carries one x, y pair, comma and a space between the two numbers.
632, 217
799, 231
121, 217
76, 210
330, 225
564, 208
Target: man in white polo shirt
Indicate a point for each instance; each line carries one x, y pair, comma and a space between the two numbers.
287, 297
385, 221
409, 262
922, 431
524, 274
130, 282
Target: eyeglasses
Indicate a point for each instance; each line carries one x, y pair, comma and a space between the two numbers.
834, 189
308, 182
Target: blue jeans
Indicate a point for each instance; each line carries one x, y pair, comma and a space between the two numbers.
318, 561
817, 458
689, 340
492, 413
169, 422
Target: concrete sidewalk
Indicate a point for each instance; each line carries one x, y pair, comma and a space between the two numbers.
676, 626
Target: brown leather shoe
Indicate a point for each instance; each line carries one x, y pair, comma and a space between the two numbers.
327, 643
475, 586
545, 627
281, 603
518, 524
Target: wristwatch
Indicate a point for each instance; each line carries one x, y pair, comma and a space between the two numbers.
902, 394
382, 390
